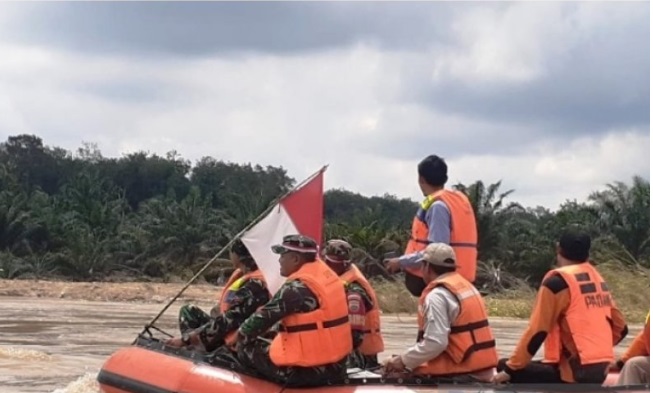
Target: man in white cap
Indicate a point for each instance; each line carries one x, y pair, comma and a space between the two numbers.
454, 339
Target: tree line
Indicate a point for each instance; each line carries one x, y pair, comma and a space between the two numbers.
82, 216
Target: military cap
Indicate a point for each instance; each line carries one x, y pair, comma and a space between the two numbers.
338, 251
297, 243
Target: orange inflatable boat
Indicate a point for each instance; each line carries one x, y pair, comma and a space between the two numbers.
148, 366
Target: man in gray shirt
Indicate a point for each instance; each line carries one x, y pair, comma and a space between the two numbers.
433, 223
443, 335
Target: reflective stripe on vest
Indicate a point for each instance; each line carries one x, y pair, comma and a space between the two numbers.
223, 302
471, 344
588, 317
372, 339
463, 236
319, 337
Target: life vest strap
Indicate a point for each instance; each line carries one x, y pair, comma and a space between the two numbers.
421, 241
470, 327
479, 347
313, 326
466, 245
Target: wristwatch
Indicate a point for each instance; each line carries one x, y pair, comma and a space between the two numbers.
185, 338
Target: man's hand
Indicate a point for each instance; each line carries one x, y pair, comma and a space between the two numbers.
394, 366
613, 366
392, 265
501, 377
174, 342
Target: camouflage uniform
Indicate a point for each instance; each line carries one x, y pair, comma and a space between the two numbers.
243, 303
254, 352
359, 301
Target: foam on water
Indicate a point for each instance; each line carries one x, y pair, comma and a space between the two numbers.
23, 354
87, 383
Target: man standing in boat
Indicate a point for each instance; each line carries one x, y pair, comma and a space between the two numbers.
314, 338
364, 312
574, 317
454, 336
445, 216
240, 299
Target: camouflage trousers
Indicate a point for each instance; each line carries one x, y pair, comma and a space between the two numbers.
255, 355
191, 317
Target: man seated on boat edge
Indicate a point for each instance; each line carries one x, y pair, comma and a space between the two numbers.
364, 311
238, 301
454, 340
314, 338
634, 365
575, 318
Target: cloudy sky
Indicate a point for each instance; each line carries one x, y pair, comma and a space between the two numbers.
553, 98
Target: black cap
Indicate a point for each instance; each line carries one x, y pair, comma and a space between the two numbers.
297, 243
575, 245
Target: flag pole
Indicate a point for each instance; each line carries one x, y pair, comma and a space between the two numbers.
226, 247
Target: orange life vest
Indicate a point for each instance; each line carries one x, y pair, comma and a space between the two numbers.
222, 301
587, 317
372, 339
471, 345
231, 338
464, 236
318, 337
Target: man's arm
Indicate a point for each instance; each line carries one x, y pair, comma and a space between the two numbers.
552, 299
244, 303
293, 297
442, 308
356, 316
618, 325
438, 219
639, 347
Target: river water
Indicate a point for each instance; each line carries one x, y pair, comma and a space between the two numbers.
57, 345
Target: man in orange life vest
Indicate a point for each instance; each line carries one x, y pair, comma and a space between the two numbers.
574, 317
314, 338
445, 216
245, 293
455, 340
364, 312
635, 364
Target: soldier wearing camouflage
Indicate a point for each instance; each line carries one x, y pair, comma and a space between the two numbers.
293, 297
337, 255
246, 296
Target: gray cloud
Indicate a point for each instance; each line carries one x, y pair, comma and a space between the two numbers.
204, 28
528, 92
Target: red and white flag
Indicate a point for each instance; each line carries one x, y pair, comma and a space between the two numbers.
300, 212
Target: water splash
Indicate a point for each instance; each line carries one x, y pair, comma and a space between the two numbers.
23, 354
87, 383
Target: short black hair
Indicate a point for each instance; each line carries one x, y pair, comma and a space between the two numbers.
306, 257
239, 248
575, 245
433, 170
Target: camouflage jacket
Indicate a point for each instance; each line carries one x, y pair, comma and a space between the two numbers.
293, 297
244, 302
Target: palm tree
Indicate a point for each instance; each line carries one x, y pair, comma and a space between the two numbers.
624, 213
490, 212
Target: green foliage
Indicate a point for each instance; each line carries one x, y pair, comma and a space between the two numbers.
86, 217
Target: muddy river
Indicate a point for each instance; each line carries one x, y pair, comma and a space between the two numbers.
57, 345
